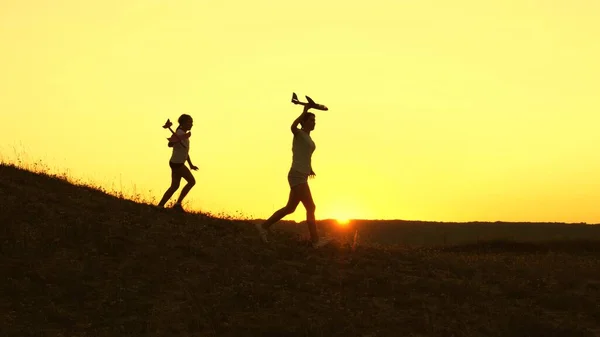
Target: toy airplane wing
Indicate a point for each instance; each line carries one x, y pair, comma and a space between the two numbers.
316, 105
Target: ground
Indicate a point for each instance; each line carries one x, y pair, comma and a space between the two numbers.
78, 262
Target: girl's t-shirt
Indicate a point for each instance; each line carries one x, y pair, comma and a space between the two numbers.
302, 150
181, 148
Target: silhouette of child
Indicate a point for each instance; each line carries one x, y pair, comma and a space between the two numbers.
302, 150
180, 142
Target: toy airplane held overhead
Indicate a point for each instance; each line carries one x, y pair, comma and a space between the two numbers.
308, 102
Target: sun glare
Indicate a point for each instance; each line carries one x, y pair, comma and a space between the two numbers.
343, 221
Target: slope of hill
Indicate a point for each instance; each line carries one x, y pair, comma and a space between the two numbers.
77, 262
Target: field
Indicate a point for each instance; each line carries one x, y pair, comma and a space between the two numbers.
77, 261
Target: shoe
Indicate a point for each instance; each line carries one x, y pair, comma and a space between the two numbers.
178, 207
322, 242
159, 208
262, 232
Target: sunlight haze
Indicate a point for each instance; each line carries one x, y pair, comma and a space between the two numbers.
444, 111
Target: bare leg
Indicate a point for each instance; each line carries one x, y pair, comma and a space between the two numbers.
175, 180
293, 201
187, 175
309, 205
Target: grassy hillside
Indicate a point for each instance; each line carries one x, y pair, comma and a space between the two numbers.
75, 261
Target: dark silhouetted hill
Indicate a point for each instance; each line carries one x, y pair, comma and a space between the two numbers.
75, 261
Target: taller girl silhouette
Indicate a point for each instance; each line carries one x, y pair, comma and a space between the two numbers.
302, 150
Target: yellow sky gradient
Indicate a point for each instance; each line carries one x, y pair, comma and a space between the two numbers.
445, 111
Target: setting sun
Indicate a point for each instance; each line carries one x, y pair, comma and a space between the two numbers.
343, 221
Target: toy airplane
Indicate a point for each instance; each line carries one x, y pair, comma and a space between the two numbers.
309, 102
175, 138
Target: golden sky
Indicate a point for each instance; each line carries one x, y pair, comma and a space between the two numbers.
439, 110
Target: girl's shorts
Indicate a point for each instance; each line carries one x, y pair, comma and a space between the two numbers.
175, 166
296, 178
